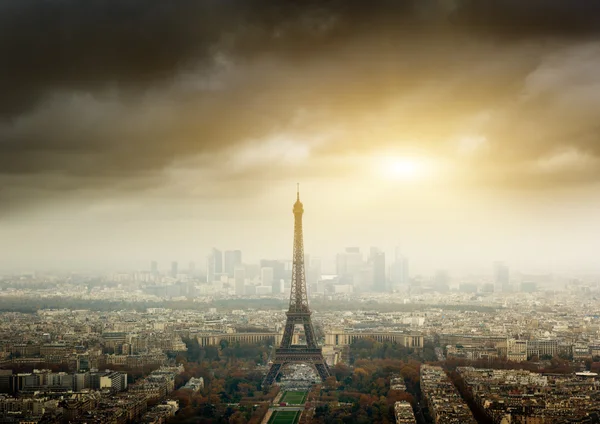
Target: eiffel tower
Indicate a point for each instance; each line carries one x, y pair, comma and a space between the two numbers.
298, 314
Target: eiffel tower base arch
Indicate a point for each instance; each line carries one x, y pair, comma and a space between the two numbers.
299, 355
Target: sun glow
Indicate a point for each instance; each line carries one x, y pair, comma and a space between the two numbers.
401, 168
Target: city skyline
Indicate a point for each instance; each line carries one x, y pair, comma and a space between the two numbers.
293, 212
198, 265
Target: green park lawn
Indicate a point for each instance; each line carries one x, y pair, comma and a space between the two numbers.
294, 398
284, 417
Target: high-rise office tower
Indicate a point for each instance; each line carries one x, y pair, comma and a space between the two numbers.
228, 264
214, 265
399, 270
350, 262
501, 277
277, 286
174, 269
233, 259
266, 276
154, 267
377, 262
279, 272
218, 261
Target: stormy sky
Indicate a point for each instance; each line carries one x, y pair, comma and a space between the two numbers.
461, 131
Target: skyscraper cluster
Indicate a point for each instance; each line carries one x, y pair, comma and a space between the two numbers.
355, 273
218, 265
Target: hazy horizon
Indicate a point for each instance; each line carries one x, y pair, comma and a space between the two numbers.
461, 132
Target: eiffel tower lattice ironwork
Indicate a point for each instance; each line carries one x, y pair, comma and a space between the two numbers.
298, 314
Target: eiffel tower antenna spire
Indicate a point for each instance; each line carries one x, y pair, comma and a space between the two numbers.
298, 314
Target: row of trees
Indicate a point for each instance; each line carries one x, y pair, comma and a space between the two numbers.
233, 375
359, 393
371, 349
362, 393
229, 352
33, 304
232, 392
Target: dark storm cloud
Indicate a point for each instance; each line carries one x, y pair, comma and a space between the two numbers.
95, 93
60, 44
514, 18
66, 44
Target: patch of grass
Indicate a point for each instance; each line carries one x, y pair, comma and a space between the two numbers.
284, 417
294, 398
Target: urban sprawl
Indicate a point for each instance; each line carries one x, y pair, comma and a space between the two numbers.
151, 346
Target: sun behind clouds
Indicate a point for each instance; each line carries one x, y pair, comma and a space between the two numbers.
402, 168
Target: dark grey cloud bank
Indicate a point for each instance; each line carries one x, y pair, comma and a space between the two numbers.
66, 44
110, 93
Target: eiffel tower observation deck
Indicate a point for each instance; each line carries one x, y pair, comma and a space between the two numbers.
298, 314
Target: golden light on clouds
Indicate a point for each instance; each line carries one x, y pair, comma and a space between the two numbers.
405, 168
402, 168
429, 123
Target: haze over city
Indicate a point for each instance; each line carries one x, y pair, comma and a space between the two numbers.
299, 211
462, 132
